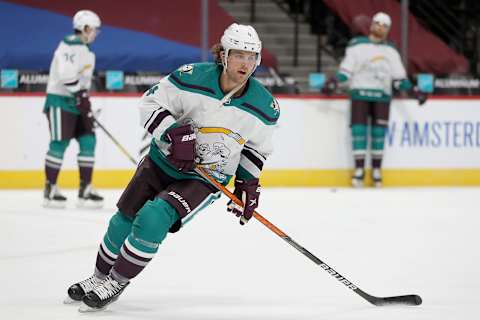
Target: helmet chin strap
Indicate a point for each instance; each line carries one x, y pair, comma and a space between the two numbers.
233, 91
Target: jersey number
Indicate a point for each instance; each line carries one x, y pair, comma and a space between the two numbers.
69, 57
152, 90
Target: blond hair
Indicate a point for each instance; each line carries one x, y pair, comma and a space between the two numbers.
216, 51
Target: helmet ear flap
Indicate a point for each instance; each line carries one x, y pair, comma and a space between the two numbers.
223, 57
259, 58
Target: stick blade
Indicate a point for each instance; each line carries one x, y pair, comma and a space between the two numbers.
407, 300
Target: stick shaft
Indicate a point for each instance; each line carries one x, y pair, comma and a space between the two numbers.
262, 219
408, 300
115, 141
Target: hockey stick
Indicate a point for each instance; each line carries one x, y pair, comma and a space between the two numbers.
115, 141
412, 300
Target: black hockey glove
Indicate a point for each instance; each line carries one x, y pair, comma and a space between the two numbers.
82, 102
420, 96
248, 191
182, 148
330, 86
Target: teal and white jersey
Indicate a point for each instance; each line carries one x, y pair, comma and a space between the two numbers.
71, 70
232, 139
370, 68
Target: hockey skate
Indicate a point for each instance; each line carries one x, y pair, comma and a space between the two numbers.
77, 291
52, 198
102, 295
357, 178
88, 197
377, 177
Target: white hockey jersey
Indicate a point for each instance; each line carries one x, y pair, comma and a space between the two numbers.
232, 139
370, 68
72, 67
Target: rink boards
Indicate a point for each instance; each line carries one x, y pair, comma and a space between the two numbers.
437, 144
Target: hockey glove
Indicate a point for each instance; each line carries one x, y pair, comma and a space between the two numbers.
248, 191
420, 96
330, 86
182, 148
82, 102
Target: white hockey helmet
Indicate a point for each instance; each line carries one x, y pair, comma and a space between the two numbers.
383, 19
86, 18
242, 37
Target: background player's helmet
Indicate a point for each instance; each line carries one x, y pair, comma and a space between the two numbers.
382, 18
86, 18
241, 37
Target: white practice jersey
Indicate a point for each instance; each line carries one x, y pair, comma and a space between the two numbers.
234, 138
371, 66
72, 67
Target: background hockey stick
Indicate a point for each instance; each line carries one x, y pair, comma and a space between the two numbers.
413, 300
115, 141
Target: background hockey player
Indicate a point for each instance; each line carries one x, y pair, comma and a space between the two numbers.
213, 115
371, 65
68, 110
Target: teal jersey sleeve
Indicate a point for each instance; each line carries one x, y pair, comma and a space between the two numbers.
405, 85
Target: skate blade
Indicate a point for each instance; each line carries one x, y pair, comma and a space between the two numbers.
86, 309
85, 204
356, 183
69, 300
54, 204
377, 184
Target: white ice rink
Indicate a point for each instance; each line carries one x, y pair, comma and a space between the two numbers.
387, 242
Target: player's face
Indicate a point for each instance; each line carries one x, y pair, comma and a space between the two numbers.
379, 30
90, 34
240, 65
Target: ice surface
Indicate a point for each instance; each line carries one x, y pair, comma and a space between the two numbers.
387, 242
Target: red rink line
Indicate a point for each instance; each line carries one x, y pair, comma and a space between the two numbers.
341, 97
278, 96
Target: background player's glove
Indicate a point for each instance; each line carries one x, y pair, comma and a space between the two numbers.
248, 191
182, 148
330, 86
420, 96
82, 102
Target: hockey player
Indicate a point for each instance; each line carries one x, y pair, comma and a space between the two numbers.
68, 110
212, 115
371, 65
